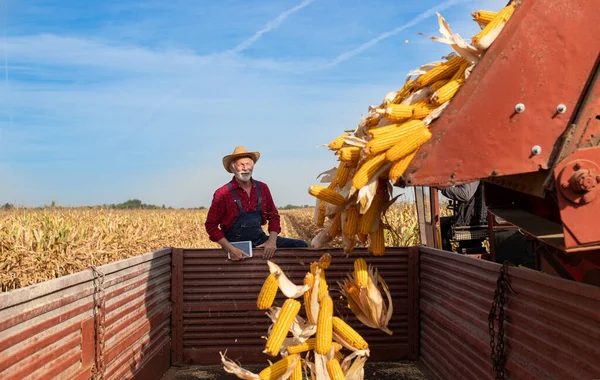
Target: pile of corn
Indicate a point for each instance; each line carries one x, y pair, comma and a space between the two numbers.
378, 152
318, 342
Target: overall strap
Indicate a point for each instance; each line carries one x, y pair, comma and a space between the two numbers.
258, 204
237, 200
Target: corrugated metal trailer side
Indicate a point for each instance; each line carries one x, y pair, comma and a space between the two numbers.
113, 318
218, 303
552, 325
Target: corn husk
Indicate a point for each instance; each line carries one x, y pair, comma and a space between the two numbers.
287, 287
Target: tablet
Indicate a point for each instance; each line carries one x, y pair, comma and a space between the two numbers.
245, 246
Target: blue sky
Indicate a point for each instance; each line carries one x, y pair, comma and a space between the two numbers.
101, 102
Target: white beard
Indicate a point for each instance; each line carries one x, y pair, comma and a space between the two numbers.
244, 176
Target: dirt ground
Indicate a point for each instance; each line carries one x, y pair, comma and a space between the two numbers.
373, 371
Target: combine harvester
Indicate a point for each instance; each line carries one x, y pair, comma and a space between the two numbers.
524, 117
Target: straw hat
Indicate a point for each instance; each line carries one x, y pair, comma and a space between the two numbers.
239, 152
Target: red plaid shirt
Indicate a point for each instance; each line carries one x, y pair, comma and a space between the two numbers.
224, 210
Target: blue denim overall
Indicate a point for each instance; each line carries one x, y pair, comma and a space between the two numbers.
247, 226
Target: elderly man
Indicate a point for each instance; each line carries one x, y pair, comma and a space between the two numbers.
240, 208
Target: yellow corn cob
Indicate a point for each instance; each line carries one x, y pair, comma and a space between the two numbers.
352, 292
422, 109
336, 346
324, 326
321, 215
444, 71
308, 345
483, 17
382, 130
460, 74
400, 166
396, 112
297, 374
370, 216
404, 91
360, 272
338, 355
278, 368
288, 312
338, 142
349, 334
323, 287
341, 175
313, 268
368, 170
447, 92
334, 369
410, 144
349, 153
267, 292
351, 226
370, 122
377, 247
383, 140
502, 17
327, 195
309, 279
437, 85
325, 260
336, 225
394, 129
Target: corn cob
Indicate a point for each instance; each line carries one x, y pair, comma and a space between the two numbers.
313, 268
404, 91
367, 170
371, 122
400, 166
287, 314
351, 290
370, 216
502, 17
338, 355
410, 144
334, 369
278, 368
396, 112
324, 326
338, 142
325, 260
373, 132
341, 175
349, 154
422, 109
483, 17
349, 334
460, 74
437, 85
444, 71
377, 247
308, 345
351, 226
321, 215
360, 272
362, 237
327, 195
447, 92
267, 292
297, 374
336, 225
323, 287
383, 140
309, 279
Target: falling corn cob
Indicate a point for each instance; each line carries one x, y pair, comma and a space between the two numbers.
444, 71
377, 247
324, 326
413, 142
341, 175
267, 292
323, 287
349, 153
368, 219
367, 170
447, 92
338, 142
486, 36
309, 279
385, 139
325, 260
437, 85
352, 220
400, 166
334, 369
276, 370
396, 112
422, 109
483, 17
287, 314
336, 225
327, 195
297, 374
308, 345
360, 272
321, 215
351, 336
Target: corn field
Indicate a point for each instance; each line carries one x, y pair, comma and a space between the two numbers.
39, 245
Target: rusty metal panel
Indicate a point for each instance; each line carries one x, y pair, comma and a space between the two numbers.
480, 135
551, 330
49, 330
219, 302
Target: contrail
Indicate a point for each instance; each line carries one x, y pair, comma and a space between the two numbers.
272, 24
431, 11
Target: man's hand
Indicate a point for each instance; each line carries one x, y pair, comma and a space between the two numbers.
237, 254
270, 247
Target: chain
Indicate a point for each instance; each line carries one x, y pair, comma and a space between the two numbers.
98, 312
498, 352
